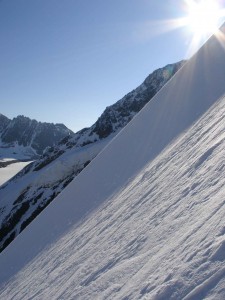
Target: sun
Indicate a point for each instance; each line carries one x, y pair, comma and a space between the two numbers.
199, 19
203, 16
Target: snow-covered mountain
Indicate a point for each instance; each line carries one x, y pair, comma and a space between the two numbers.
145, 219
27, 194
27, 139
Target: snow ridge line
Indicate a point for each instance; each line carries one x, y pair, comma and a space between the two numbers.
200, 291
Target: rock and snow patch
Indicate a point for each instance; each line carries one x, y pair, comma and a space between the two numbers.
37, 185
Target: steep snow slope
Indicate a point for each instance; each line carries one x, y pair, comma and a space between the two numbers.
38, 189
145, 218
26, 195
161, 236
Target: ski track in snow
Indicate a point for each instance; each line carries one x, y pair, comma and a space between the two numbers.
161, 237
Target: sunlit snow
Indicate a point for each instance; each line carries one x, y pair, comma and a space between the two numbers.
145, 219
11, 170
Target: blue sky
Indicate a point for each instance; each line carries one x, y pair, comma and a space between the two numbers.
64, 61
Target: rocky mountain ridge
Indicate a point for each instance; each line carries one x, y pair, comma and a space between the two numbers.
40, 182
30, 137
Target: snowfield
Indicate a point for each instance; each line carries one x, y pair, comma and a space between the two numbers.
11, 170
145, 219
162, 236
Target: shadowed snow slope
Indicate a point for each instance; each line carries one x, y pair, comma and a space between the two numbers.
26, 195
145, 218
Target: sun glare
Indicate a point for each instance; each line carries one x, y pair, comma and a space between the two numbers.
203, 16
199, 18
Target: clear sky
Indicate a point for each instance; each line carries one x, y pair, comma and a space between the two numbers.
64, 61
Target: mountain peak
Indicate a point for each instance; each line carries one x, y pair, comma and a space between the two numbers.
32, 136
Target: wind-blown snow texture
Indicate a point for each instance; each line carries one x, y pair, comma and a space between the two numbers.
145, 219
26, 195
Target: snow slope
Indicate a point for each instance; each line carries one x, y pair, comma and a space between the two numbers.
27, 194
162, 236
11, 170
145, 219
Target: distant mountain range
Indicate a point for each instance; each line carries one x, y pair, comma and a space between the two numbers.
40, 182
26, 138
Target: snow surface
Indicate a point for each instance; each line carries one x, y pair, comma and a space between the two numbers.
11, 170
145, 219
27, 194
16, 152
46, 177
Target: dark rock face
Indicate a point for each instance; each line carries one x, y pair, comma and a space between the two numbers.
119, 114
40, 182
30, 133
4, 122
20, 129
